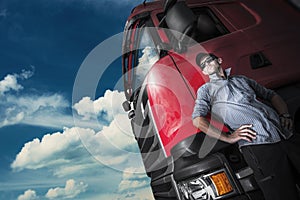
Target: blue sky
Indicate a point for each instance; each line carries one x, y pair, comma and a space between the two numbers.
56, 144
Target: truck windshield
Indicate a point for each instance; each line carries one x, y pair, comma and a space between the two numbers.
146, 55
141, 55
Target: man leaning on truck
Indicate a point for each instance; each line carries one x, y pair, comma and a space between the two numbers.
263, 133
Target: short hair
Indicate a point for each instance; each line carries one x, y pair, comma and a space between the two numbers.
201, 55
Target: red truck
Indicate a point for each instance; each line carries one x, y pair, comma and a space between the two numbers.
259, 39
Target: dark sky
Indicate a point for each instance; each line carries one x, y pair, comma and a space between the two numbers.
43, 44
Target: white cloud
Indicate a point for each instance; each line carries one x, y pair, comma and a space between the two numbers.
28, 195
132, 184
111, 146
109, 105
64, 155
75, 168
34, 109
12, 117
52, 150
133, 178
53, 110
10, 81
146, 61
33, 103
118, 133
134, 173
26, 74
50, 110
72, 151
108, 146
71, 190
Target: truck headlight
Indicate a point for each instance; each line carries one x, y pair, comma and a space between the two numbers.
207, 187
196, 188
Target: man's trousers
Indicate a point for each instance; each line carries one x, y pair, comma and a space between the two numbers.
276, 167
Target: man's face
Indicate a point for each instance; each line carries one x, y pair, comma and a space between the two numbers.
210, 65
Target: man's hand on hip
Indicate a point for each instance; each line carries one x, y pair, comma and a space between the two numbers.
243, 133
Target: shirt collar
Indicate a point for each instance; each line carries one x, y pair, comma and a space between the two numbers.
215, 77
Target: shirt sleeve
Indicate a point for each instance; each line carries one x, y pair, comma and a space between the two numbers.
202, 103
260, 91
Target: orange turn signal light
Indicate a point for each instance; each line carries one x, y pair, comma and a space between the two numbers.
221, 183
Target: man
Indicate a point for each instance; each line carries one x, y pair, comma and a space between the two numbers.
263, 134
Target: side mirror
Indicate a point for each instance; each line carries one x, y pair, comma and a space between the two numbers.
126, 106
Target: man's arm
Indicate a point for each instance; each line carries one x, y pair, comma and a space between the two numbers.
279, 104
282, 109
242, 133
276, 101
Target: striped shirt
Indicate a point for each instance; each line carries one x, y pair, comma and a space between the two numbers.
233, 101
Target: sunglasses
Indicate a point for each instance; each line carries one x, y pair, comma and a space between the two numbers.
208, 60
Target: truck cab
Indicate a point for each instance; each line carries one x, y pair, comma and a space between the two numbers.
161, 41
